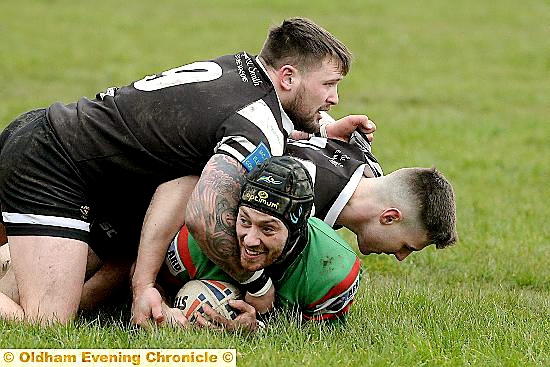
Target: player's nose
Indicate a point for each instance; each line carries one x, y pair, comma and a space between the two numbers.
333, 97
252, 238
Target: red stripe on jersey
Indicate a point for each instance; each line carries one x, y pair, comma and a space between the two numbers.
328, 316
183, 251
343, 285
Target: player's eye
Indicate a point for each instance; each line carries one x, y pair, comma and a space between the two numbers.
244, 222
268, 230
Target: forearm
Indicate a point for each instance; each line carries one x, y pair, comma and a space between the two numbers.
211, 213
164, 217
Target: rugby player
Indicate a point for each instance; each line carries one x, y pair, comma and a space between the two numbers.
313, 269
68, 166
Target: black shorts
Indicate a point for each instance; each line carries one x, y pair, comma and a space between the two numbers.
115, 237
41, 191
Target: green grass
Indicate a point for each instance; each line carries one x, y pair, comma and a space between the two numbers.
464, 86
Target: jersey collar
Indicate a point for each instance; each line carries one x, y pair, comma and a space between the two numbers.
288, 125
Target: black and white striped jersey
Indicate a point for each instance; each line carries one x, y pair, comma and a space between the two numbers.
336, 168
170, 124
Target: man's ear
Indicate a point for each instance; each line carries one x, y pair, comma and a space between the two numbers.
390, 216
288, 76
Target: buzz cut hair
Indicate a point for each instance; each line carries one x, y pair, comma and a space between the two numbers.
435, 199
305, 45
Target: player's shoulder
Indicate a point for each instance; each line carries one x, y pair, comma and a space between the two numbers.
330, 259
325, 239
331, 163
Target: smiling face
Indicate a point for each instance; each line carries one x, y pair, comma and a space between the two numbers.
261, 237
317, 90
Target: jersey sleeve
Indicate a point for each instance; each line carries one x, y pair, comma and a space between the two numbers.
252, 135
185, 260
336, 303
336, 169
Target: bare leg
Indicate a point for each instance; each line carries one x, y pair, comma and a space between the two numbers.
5, 259
106, 283
49, 272
109, 285
9, 296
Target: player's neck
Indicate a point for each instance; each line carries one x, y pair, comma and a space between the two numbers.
362, 205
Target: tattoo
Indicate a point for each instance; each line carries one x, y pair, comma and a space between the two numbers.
212, 210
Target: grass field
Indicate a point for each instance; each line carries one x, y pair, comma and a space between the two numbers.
464, 86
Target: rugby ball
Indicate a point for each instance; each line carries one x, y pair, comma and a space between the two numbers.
195, 293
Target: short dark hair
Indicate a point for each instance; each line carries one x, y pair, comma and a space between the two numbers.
305, 45
437, 208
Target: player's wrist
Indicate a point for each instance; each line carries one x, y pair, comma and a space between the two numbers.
141, 285
322, 130
258, 284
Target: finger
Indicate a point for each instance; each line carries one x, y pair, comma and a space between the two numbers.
371, 126
140, 321
181, 319
368, 126
138, 317
214, 315
177, 318
201, 321
157, 313
241, 306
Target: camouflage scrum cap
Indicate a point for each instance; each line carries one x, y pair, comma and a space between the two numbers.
282, 187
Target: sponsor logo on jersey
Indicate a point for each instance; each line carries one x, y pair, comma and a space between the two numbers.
247, 69
84, 211
338, 303
338, 158
172, 259
258, 155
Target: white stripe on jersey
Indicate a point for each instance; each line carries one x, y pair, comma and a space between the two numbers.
239, 139
287, 122
260, 115
46, 220
244, 142
288, 125
312, 169
344, 196
314, 143
173, 259
339, 302
326, 118
232, 152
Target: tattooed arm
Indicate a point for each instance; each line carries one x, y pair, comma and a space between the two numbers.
212, 210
